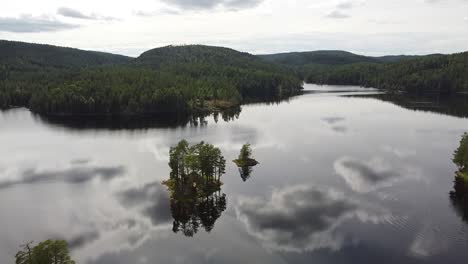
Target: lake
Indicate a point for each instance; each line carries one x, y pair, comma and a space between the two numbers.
342, 179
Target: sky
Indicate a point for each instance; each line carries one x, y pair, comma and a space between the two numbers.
369, 27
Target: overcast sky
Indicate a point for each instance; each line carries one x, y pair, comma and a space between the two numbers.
372, 27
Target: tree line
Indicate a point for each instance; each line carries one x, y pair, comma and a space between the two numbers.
440, 74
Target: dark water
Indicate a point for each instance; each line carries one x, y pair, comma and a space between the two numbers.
340, 180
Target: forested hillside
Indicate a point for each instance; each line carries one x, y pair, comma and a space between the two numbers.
173, 79
25, 56
445, 74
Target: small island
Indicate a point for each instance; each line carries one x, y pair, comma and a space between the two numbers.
194, 184
245, 159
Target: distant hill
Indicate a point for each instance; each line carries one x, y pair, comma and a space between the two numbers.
195, 54
435, 74
327, 57
24, 56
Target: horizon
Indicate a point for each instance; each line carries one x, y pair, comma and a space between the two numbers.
262, 54
367, 27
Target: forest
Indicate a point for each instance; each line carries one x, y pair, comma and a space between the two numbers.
174, 79
436, 74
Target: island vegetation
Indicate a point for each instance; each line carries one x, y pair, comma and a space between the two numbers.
47, 252
245, 162
169, 80
195, 186
245, 157
459, 196
461, 158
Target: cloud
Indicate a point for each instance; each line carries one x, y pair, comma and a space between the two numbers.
369, 176
303, 218
340, 8
30, 24
74, 175
337, 14
152, 200
73, 13
211, 4
334, 122
162, 11
333, 119
83, 239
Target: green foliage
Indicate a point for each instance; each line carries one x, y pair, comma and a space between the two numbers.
245, 152
177, 80
245, 157
203, 160
323, 57
195, 186
460, 157
47, 252
442, 74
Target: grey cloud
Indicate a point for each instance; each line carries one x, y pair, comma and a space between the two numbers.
152, 200
338, 11
303, 218
340, 129
369, 176
73, 13
74, 175
163, 11
210, 4
333, 119
334, 122
338, 14
30, 24
83, 239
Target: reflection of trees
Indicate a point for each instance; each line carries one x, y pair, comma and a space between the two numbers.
195, 187
138, 122
47, 252
245, 172
459, 197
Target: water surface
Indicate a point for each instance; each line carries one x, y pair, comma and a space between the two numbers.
341, 180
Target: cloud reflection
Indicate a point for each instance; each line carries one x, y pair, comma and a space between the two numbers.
367, 176
152, 200
73, 175
303, 218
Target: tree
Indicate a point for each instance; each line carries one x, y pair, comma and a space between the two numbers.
47, 252
245, 152
460, 157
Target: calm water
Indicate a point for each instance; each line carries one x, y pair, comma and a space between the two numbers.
340, 180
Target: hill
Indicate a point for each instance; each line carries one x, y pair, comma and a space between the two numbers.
323, 57
21, 55
173, 79
439, 74
195, 54
435, 73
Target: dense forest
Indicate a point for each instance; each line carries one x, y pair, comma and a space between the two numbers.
173, 79
440, 74
327, 57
